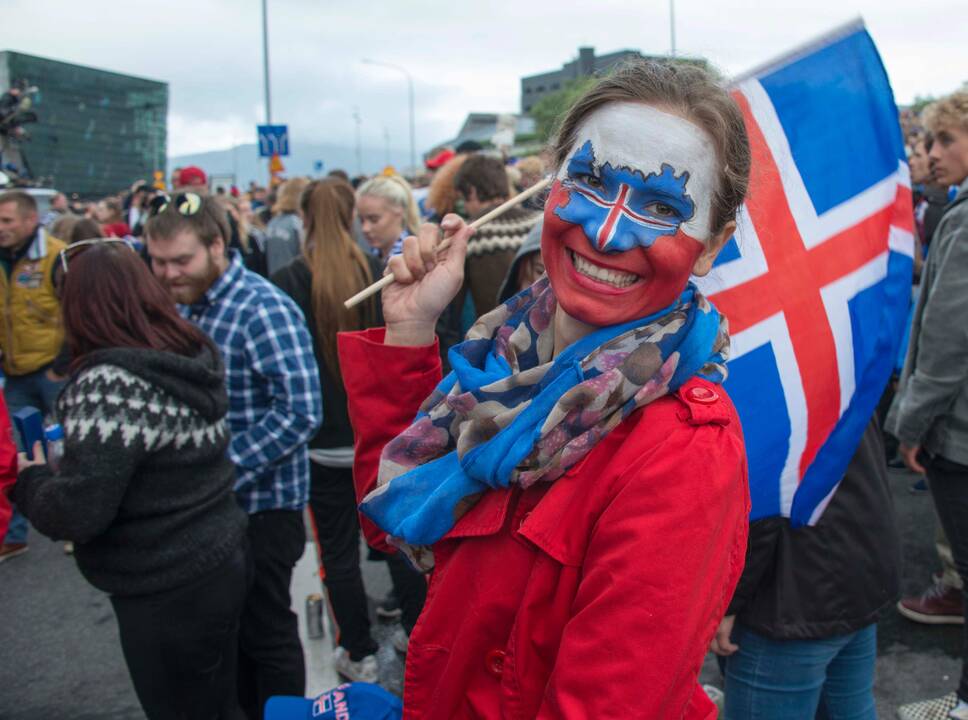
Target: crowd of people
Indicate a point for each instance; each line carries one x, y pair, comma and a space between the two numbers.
528, 427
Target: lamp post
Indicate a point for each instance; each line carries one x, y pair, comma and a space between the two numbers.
265, 71
413, 142
265, 60
672, 25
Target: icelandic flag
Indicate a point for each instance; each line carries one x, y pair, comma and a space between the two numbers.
816, 282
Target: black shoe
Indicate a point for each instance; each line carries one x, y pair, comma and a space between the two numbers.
920, 487
390, 608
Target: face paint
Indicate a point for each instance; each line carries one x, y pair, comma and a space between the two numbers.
628, 213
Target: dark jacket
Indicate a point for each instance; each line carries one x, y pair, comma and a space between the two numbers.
144, 488
296, 280
832, 578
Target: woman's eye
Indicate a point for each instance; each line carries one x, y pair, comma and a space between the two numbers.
660, 209
591, 180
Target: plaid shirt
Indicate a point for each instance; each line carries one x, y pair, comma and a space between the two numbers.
275, 404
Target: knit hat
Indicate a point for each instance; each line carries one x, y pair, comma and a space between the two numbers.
352, 701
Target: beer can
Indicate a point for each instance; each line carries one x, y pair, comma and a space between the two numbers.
314, 615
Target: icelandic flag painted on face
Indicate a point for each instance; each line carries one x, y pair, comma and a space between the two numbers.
603, 201
816, 282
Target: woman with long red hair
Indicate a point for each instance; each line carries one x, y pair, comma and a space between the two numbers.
144, 486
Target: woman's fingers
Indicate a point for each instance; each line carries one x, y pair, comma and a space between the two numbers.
412, 258
457, 232
401, 273
427, 241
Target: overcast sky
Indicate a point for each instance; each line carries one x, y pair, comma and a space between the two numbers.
464, 56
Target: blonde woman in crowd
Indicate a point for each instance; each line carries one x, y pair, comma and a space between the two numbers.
388, 213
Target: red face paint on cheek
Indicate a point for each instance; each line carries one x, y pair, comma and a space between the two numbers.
604, 289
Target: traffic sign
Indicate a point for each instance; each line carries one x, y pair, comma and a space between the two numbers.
273, 140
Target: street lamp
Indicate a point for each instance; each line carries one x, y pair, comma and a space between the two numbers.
672, 26
413, 142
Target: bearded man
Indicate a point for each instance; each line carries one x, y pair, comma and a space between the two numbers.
275, 407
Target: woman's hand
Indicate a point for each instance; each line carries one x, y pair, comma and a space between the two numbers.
23, 463
426, 282
721, 644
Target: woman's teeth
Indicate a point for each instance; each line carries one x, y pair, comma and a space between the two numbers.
615, 278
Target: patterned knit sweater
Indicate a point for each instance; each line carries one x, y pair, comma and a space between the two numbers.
504, 233
144, 488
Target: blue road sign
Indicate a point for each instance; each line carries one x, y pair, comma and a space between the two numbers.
273, 140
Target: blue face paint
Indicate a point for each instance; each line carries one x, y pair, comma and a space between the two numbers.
621, 208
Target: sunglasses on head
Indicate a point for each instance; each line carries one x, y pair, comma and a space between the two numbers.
186, 204
72, 250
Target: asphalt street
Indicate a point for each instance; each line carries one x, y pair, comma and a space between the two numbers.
60, 656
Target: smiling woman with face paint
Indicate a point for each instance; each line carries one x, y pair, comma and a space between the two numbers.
576, 487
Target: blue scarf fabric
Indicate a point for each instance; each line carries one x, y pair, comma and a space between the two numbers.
510, 412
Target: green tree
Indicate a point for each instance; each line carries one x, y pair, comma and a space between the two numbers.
921, 102
550, 109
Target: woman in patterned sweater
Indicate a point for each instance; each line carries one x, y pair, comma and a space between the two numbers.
144, 487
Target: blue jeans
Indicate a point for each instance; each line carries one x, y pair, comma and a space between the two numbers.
801, 679
35, 390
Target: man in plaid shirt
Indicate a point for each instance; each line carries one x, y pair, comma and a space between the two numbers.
275, 407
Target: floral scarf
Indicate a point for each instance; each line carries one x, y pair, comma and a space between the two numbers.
510, 413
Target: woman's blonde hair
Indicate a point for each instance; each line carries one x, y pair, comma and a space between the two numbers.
287, 200
338, 265
396, 191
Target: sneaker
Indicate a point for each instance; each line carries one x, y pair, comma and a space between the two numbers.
959, 711
12, 550
937, 709
390, 608
938, 605
896, 463
400, 640
919, 487
365, 670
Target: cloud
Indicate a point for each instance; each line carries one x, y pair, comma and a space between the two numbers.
463, 58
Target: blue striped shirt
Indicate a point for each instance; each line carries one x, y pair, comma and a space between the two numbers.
275, 404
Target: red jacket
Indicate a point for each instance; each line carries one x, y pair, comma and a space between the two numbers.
592, 596
8, 467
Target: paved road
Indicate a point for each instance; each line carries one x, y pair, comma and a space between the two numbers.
60, 658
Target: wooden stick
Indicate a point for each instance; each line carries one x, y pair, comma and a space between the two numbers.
485, 218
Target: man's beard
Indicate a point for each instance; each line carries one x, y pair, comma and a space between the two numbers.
190, 290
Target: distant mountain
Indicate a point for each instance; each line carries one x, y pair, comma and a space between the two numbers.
244, 164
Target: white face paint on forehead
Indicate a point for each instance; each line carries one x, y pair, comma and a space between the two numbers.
638, 137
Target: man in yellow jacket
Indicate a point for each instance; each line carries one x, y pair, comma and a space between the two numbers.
31, 333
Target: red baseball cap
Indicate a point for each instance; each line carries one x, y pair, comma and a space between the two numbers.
440, 159
192, 175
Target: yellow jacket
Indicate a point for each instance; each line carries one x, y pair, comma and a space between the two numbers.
32, 332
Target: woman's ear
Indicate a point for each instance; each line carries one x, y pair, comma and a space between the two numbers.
704, 263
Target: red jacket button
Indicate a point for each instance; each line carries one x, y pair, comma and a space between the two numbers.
702, 395
494, 661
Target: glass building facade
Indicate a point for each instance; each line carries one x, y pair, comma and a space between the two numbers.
97, 131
